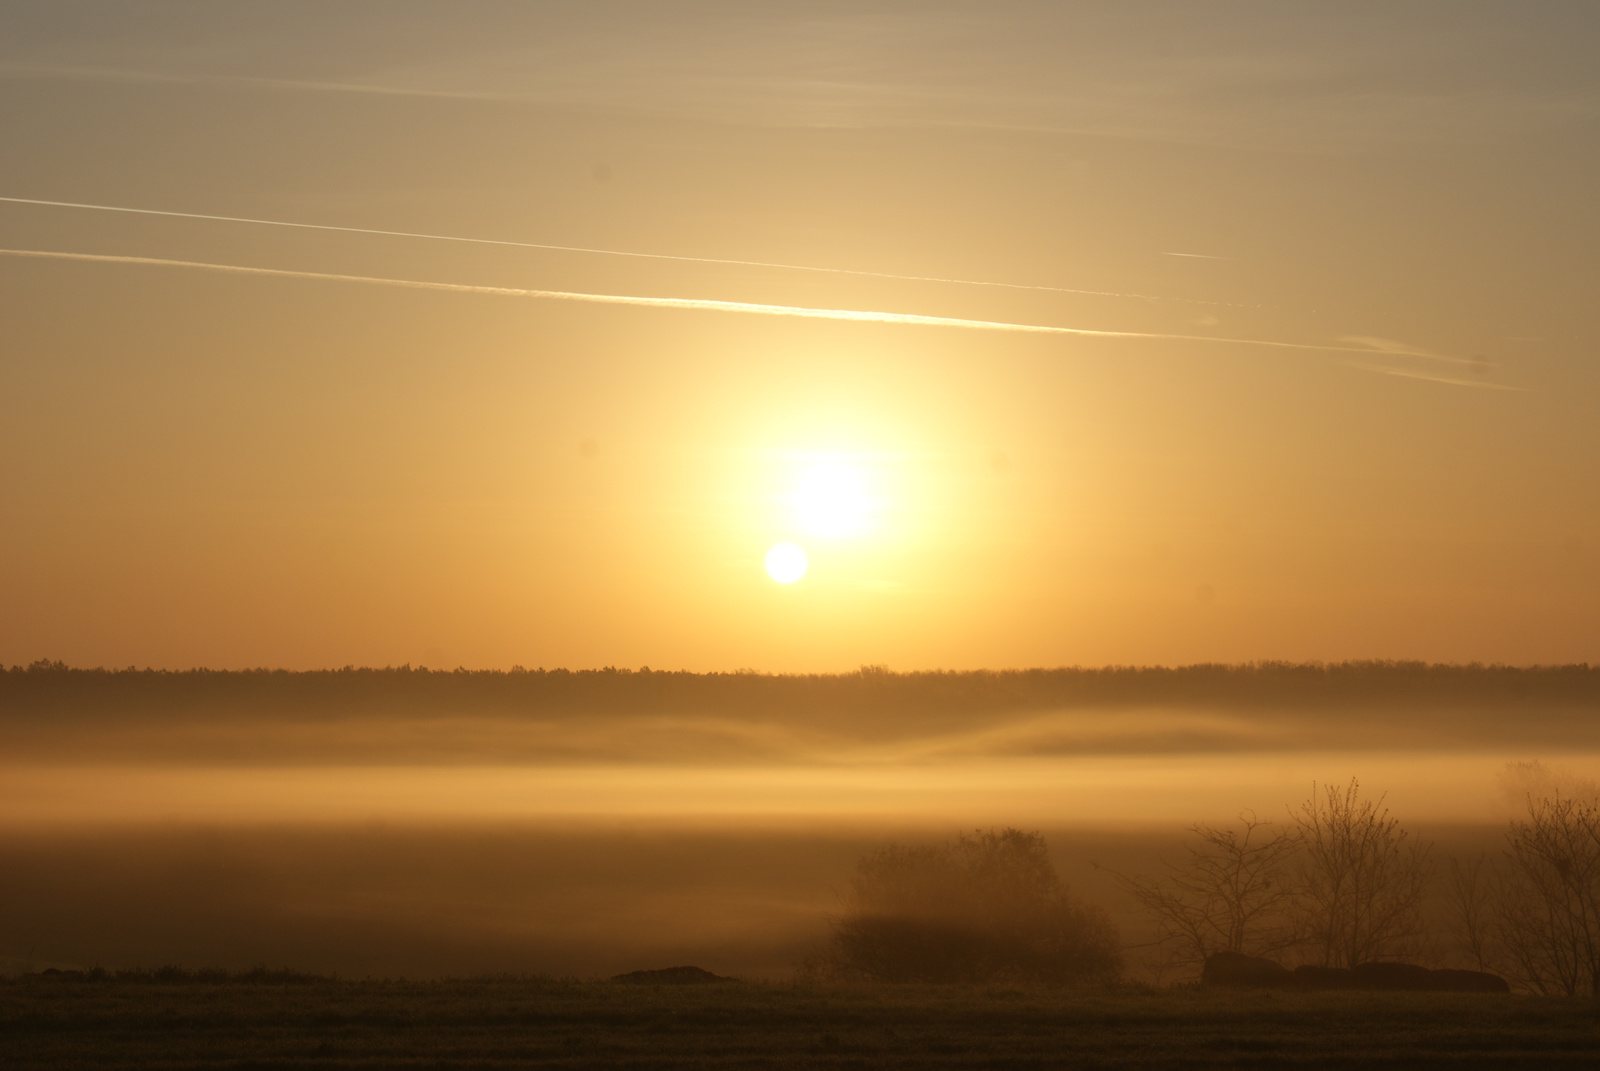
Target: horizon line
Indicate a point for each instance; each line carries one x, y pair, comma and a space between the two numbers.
45, 665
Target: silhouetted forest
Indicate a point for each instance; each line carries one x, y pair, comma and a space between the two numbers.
53, 688
558, 713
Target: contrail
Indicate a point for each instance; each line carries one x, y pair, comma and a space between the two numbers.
1388, 347
599, 252
703, 304
1407, 373
608, 299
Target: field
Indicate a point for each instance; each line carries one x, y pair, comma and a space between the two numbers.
518, 1022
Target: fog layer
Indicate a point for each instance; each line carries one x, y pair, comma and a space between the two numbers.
426, 823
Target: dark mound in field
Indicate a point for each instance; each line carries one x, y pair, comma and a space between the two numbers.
1469, 982
671, 976
1236, 969
1410, 976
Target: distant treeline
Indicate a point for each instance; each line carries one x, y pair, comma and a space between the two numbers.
49, 689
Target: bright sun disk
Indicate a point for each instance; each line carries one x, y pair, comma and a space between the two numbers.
832, 501
786, 563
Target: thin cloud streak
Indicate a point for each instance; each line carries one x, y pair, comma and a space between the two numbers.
701, 304
604, 252
111, 74
1406, 373
1389, 347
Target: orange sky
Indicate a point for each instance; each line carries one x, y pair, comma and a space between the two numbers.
232, 469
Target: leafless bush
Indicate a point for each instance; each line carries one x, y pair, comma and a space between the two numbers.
1549, 897
1472, 905
1233, 893
988, 906
1362, 880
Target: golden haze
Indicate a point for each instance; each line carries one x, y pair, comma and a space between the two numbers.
220, 470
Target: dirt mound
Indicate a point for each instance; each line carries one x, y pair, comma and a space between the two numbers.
671, 976
1409, 976
1236, 969
1452, 981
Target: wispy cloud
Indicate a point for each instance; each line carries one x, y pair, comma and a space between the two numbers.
1268, 79
1395, 353
1411, 373
1389, 346
697, 304
87, 73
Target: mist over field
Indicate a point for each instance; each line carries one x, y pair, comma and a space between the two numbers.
899, 533
431, 823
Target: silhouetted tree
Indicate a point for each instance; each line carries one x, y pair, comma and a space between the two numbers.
1362, 880
1548, 900
1234, 893
988, 906
1472, 905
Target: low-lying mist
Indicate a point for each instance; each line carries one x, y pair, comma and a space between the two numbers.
594, 901
427, 823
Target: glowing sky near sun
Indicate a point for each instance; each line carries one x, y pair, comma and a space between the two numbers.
1042, 334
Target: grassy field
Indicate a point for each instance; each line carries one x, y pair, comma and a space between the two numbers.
51, 1022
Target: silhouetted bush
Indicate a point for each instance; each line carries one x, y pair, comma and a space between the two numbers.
987, 907
1534, 915
1344, 886
1235, 892
1362, 880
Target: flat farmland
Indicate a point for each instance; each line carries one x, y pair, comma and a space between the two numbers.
520, 1022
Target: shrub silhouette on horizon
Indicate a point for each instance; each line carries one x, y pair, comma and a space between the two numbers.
1233, 892
985, 907
1534, 914
1363, 880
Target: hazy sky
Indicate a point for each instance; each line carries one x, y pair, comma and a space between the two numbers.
1386, 212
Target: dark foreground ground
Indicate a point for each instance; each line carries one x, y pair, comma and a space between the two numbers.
520, 1022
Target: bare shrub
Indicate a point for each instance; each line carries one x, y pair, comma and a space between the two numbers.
1362, 880
1548, 900
1234, 892
1472, 906
986, 907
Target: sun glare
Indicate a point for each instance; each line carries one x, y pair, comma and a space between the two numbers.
832, 501
786, 563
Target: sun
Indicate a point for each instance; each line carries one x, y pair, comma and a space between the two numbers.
786, 563
832, 501
829, 501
